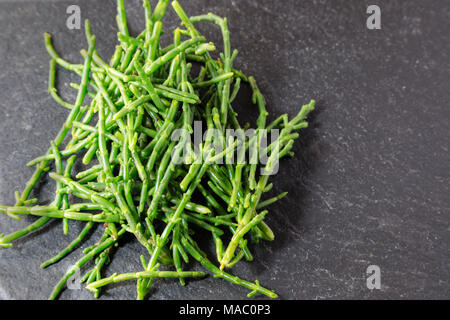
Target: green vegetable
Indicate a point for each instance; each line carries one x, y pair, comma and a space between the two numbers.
147, 174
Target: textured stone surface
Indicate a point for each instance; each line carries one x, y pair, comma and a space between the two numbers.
369, 183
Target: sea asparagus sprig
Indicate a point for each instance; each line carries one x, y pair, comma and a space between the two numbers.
131, 127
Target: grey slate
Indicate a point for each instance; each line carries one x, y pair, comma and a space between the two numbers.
369, 182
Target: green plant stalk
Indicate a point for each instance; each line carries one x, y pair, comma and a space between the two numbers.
66, 127
53, 212
81, 262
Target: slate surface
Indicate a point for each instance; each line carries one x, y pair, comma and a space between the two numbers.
369, 184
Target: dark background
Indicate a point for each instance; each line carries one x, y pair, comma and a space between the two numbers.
369, 183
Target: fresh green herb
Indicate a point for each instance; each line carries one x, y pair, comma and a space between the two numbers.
148, 175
